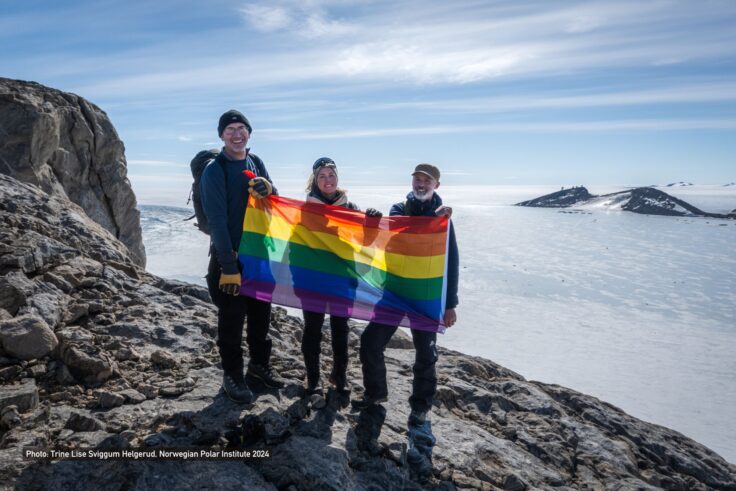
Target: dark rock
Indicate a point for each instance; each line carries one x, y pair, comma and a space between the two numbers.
63, 375
560, 199
514, 483
36, 371
76, 312
163, 359
126, 353
81, 422
401, 340
651, 201
24, 395
132, 396
48, 306
149, 391
317, 401
108, 399
9, 417
275, 426
177, 387
644, 200
184, 289
58, 282
86, 361
10, 373
15, 287
27, 337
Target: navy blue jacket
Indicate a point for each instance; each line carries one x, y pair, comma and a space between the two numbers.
415, 207
224, 203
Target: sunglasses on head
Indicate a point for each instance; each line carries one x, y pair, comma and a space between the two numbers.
323, 162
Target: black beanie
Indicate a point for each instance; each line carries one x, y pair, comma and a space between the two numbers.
232, 116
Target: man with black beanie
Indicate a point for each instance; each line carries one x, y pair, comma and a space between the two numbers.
225, 189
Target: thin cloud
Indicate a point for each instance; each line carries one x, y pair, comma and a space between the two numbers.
266, 18
583, 23
684, 94
551, 127
441, 46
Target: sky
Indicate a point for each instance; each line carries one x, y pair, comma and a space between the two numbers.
505, 93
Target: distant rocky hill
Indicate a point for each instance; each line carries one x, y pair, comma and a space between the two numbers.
644, 200
68, 147
96, 353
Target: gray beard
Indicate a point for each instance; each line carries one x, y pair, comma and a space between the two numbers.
426, 196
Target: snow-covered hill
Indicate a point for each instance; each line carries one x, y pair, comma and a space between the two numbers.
644, 200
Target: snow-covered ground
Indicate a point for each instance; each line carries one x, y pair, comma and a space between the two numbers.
637, 310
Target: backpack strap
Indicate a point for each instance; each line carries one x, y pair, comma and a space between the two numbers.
258, 164
223, 166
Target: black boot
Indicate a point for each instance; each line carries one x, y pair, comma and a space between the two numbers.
311, 363
235, 387
265, 375
367, 402
339, 379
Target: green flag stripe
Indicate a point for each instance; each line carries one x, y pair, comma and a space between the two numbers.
278, 250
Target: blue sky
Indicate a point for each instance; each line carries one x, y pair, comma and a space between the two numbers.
522, 92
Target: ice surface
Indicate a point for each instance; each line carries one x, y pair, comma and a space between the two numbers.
637, 310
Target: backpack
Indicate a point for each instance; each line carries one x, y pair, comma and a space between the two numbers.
198, 164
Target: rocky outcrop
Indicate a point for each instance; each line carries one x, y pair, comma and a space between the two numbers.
68, 147
560, 199
644, 200
136, 367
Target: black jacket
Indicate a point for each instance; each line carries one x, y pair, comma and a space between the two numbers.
414, 207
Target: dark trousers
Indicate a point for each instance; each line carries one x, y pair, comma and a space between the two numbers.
231, 314
372, 346
312, 339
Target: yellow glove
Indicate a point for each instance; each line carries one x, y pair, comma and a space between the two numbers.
230, 283
260, 187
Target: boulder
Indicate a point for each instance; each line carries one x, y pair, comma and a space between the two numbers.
68, 147
163, 359
23, 396
79, 421
87, 362
15, 288
27, 337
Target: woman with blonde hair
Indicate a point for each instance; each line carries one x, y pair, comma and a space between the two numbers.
322, 187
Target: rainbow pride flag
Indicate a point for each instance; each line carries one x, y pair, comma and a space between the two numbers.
338, 261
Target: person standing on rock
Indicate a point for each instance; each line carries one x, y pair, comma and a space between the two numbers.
421, 201
225, 189
322, 188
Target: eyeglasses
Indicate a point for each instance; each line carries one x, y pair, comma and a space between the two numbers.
240, 129
323, 162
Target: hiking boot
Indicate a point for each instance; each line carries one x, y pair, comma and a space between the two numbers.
313, 383
420, 466
314, 388
365, 402
339, 381
236, 389
264, 374
417, 418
